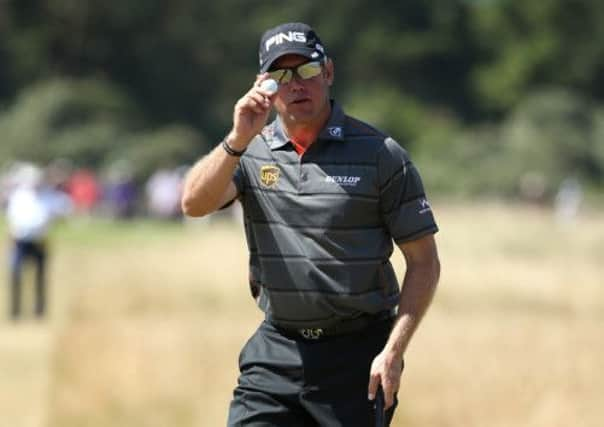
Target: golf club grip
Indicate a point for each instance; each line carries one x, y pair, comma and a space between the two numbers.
379, 408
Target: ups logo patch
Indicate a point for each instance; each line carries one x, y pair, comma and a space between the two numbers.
269, 175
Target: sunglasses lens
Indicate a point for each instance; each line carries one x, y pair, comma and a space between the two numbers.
309, 70
304, 71
282, 76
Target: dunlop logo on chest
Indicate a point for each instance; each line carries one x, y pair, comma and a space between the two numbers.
269, 175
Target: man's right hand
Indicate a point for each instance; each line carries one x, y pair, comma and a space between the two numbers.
250, 115
209, 183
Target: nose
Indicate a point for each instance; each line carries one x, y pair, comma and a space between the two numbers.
296, 83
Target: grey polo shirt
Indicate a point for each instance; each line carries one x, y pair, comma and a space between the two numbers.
320, 227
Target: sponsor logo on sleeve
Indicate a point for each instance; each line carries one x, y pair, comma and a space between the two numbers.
269, 175
424, 206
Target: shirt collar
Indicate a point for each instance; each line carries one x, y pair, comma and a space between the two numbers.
333, 130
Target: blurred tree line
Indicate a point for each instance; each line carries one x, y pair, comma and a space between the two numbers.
487, 95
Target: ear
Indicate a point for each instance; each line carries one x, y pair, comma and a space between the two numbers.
329, 71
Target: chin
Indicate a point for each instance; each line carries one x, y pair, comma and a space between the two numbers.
301, 114
299, 118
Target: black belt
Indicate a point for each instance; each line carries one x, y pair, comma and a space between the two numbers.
344, 327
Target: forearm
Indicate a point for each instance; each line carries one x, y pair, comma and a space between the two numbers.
207, 182
416, 295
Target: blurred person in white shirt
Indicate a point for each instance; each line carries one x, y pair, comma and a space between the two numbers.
163, 191
31, 208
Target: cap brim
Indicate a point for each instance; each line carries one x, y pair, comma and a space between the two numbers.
302, 51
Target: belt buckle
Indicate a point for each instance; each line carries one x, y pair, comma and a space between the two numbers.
311, 333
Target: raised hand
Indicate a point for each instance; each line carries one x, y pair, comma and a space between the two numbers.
250, 114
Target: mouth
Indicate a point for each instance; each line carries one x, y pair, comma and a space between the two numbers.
300, 101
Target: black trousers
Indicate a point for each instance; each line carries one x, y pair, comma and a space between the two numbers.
23, 251
292, 381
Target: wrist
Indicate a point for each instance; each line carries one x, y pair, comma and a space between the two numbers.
230, 150
397, 342
235, 142
393, 351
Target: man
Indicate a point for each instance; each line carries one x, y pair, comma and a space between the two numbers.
324, 195
30, 210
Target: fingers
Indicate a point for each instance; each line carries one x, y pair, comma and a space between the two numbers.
386, 374
257, 99
254, 101
260, 78
252, 110
390, 388
374, 383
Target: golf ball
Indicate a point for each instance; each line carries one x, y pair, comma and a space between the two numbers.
269, 86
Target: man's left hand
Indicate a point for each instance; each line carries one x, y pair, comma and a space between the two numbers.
386, 370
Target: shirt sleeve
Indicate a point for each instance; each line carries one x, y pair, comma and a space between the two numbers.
239, 181
404, 207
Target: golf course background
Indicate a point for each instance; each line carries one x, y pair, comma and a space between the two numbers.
147, 320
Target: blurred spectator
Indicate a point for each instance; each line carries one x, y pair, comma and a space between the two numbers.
58, 173
31, 208
8, 181
163, 193
120, 192
568, 200
84, 190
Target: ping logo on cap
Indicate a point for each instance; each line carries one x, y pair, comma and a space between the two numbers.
291, 36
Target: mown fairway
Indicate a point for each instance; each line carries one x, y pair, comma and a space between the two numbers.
147, 322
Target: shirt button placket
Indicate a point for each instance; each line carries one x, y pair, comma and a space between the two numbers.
300, 178
302, 175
